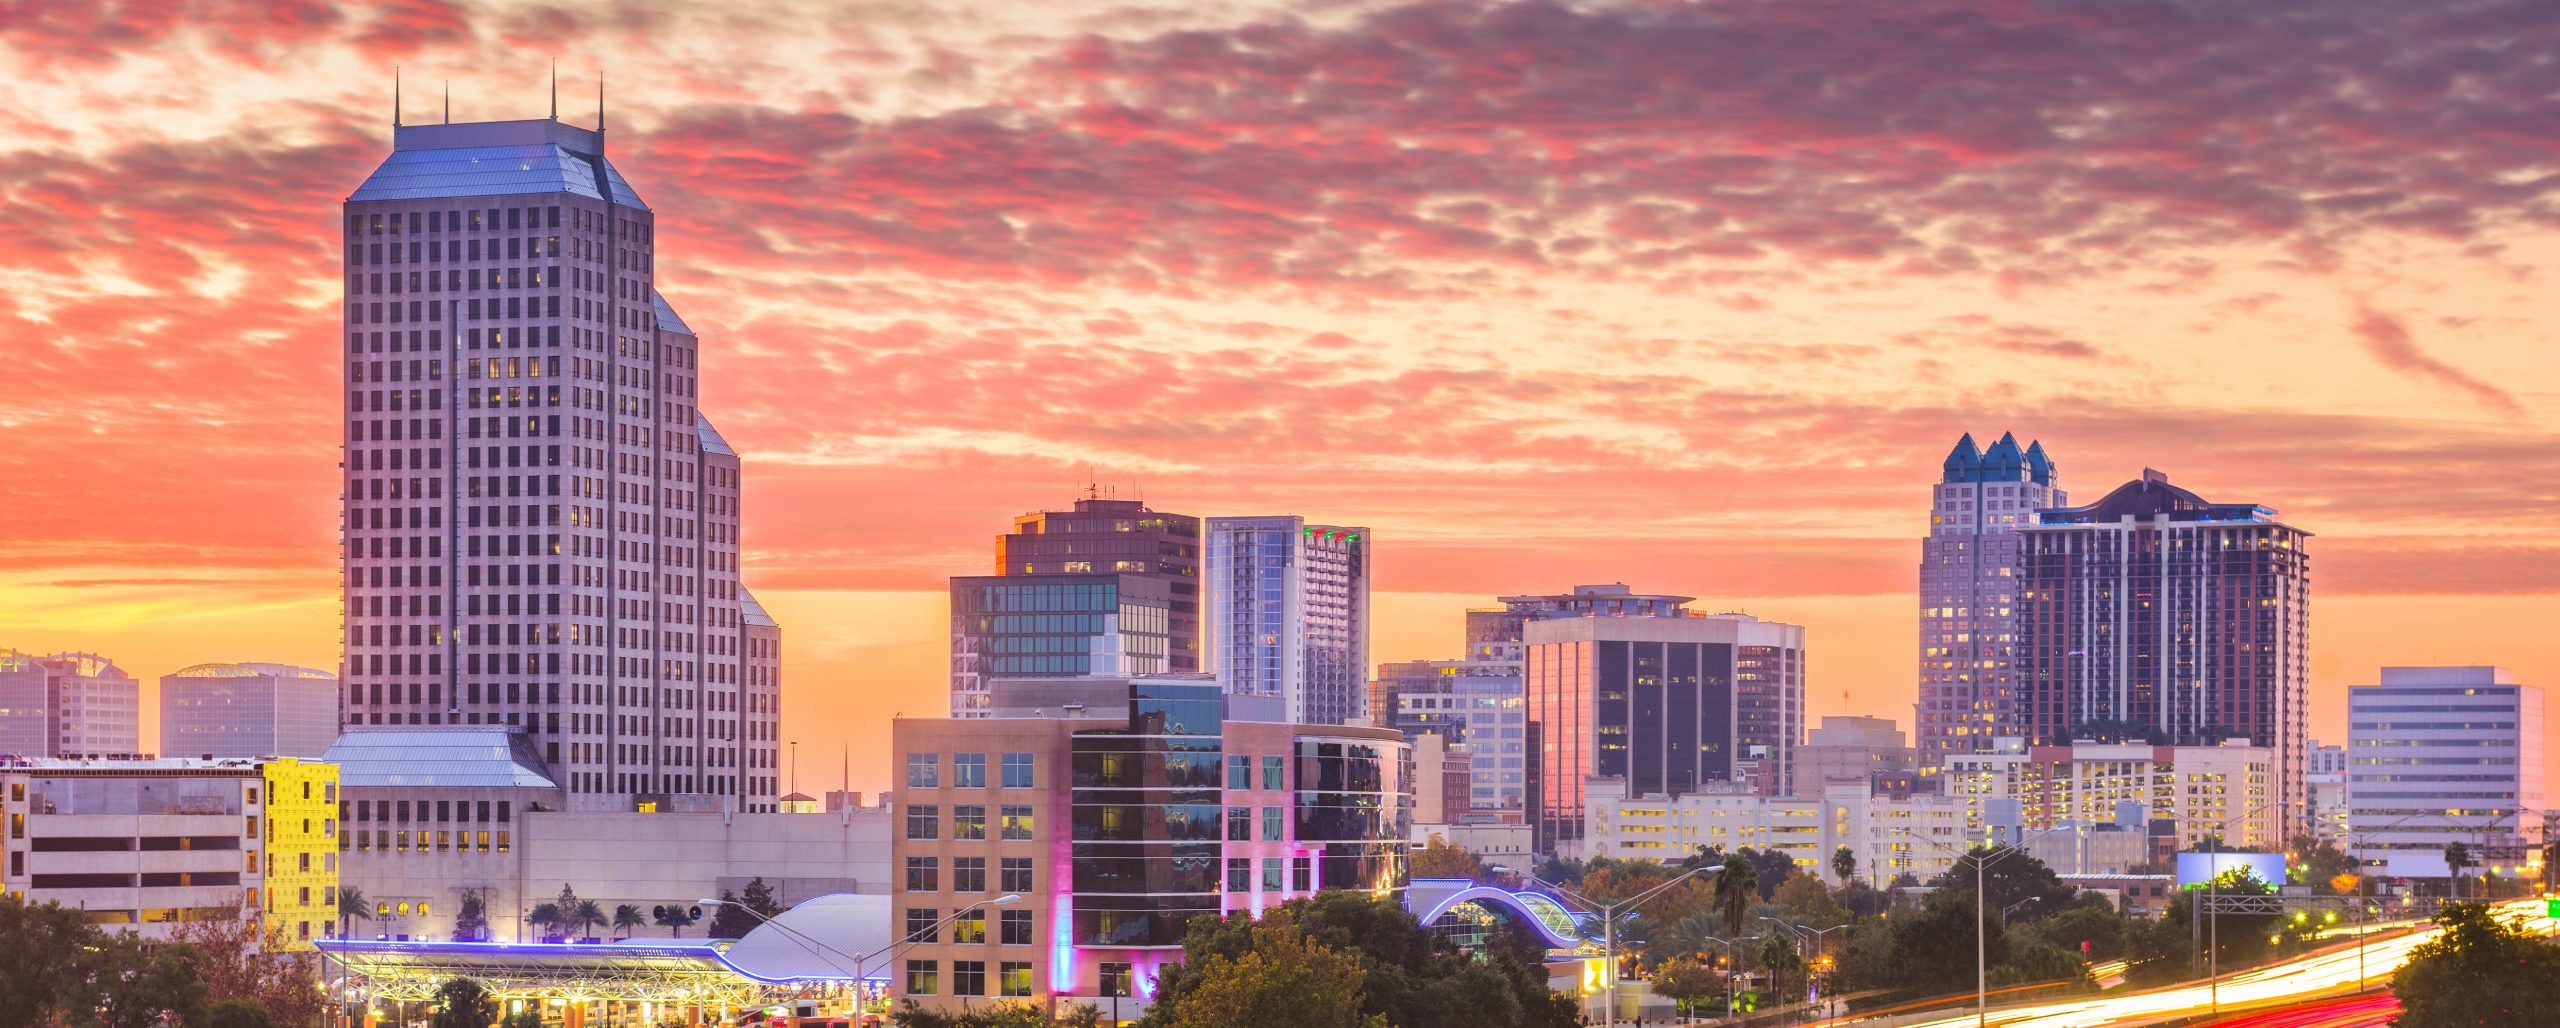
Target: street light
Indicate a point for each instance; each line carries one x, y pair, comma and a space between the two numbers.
1729, 971
1609, 926
1801, 933
862, 963
1981, 924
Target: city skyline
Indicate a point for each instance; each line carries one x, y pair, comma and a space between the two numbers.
1415, 358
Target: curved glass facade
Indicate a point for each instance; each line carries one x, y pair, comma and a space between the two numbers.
1352, 812
1145, 818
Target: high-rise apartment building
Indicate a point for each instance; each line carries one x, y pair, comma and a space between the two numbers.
248, 710
2156, 615
1133, 609
68, 705
541, 527
1968, 594
1288, 614
2437, 755
1669, 704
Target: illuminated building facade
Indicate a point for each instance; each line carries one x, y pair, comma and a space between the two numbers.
541, 528
1968, 594
1288, 614
2155, 615
1117, 809
2437, 755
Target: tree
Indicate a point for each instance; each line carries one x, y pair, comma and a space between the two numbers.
2009, 877
243, 957
1844, 863
998, 1015
2457, 855
1809, 902
134, 985
759, 897
545, 917
1735, 887
1686, 982
460, 1003
730, 920
352, 907
471, 921
627, 917
673, 917
2095, 923
1438, 859
1779, 953
1772, 867
589, 916
1414, 977
1688, 938
237, 1013
568, 899
1284, 980
2481, 970
41, 946
2318, 862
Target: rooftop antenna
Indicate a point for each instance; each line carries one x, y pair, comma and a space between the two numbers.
395, 96
599, 110
555, 89
448, 101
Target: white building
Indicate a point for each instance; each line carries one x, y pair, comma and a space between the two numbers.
1287, 614
2328, 781
68, 705
540, 525
1920, 836
248, 710
2437, 755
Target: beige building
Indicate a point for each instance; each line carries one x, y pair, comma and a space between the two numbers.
68, 705
1850, 750
1918, 835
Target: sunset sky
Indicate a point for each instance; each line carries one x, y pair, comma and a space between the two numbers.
1693, 296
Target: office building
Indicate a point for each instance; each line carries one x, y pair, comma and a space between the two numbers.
1854, 750
1127, 807
1288, 614
2156, 615
1509, 623
1920, 836
1476, 706
2438, 755
1119, 537
1055, 626
2203, 792
248, 710
1669, 704
1443, 776
1968, 593
2327, 783
68, 705
541, 527
137, 844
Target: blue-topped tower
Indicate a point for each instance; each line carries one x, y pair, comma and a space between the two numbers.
541, 525
1968, 594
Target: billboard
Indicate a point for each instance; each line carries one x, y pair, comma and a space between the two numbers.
2196, 869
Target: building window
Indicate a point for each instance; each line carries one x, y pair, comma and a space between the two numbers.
968, 977
924, 821
1239, 875
924, 977
924, 770
969, 929
1239, 824
1016, 874
1016, 927
1302, 874
1271, 824
1273, 772
1271, 880
1239, 772
921, 922
1117, 979
968, 874
1017, 823
968, 770
969, 821
924, 874
1014, 977
1017, 771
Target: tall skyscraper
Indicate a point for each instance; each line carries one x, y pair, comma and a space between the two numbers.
1108, 588
1968, 594
1669, 704
2437, 755
248, 710
68, 705
541, 527
2156, 614
1288, 614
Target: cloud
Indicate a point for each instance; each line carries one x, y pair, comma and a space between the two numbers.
2388, 341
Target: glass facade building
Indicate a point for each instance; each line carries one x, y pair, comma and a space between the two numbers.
1288, 614
1116, 537
1477, 706
1055, 626
248, 710
1148, 816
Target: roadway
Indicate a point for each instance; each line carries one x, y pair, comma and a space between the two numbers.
2293, 983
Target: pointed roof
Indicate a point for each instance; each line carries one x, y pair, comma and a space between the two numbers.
753, 613
496, 158
712, 442
1962, 460
667, 319
2040, 467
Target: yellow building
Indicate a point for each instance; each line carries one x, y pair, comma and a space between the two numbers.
299, 849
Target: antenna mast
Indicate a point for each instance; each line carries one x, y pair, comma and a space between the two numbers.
555, 89
448, 101
395, 96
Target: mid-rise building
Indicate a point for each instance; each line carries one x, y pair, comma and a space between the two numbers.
1509, 623
540, 525
1920, 836
139, 844
2327, 783
1126, 808
1119, 537
2437, 755
1968, 594
1288, 614
2203, 792
2156, 615
1852, 750
68, 705
1669, 704
248, 710
1055, 626
1476, 706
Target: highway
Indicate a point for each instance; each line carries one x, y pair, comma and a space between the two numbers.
2303, 979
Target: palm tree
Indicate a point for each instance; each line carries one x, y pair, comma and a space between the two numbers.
351, 906
544, 916
2456, 857
1844, 862
588, 915
627, 917
1693, 935
1737, 887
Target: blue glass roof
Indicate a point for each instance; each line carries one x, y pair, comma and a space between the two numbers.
667, 319
492, 171
711, 440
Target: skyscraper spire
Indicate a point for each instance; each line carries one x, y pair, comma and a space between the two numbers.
395, 96
599, 109
448, 101
555, 89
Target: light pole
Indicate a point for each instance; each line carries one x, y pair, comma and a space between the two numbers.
1609, 926
1802, 935
862, 963
1731, 968
2213, 892
1981, 922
